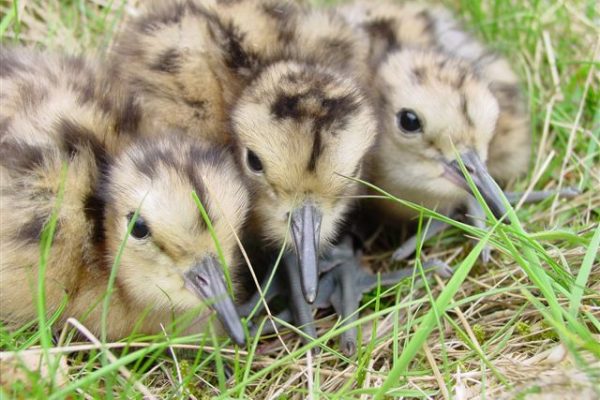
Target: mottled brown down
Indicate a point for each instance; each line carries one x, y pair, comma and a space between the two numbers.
60, 112
272, 76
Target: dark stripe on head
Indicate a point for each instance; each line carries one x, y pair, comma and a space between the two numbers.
93, 207
287, 106
214, 156
465, 109
152, 158
315, 153
383, 30
169, 61
337, 111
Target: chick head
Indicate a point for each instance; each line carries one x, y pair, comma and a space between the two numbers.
433, 108
169, 258
300, 131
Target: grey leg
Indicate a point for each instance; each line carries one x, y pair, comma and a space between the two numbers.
409, 246
541, 195
276, 288
269, 327
352, 281
477, 218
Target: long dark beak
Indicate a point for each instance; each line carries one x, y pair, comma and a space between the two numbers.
207, 281
484, 182
306, 230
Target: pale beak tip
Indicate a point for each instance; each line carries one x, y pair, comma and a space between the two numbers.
310, 295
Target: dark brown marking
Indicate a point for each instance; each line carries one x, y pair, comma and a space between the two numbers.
383, 30
86, 92
460, 80
230, 39
151, 157
31, 231
93, 208
129, 117
165, 16
465, 109
287, 106
4, 126
419, 75
31, 95
317, 149
76, 138
338, 48
337, 111
169, 61
21, 157
428, 21
279, 11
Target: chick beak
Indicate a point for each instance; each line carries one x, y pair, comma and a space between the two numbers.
306, 229
484, 182
206, 280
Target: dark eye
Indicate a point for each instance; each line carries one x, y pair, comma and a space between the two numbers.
254, 162
140, 229
408, 121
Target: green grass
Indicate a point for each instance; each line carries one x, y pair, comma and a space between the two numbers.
527, 324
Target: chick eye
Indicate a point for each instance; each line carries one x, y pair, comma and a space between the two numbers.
408, 121
254, 162
140, 229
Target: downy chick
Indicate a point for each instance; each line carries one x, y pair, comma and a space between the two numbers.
287, 92
188, 60
60, 112
440, 92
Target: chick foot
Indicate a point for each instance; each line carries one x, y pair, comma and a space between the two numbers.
476, 217
342, 283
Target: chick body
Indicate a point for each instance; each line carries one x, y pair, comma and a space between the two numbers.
188, 60
58, 111
463, 94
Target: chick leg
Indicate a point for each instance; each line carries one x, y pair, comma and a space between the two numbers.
353, 281
541, 195
410, 245
477, 217
274, 289
270, 328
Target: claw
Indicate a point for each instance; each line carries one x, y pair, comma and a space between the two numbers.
340, 287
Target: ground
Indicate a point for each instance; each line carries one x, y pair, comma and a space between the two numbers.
527, 326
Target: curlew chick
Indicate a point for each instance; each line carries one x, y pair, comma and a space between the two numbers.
129, 206
301, 130
441, 94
